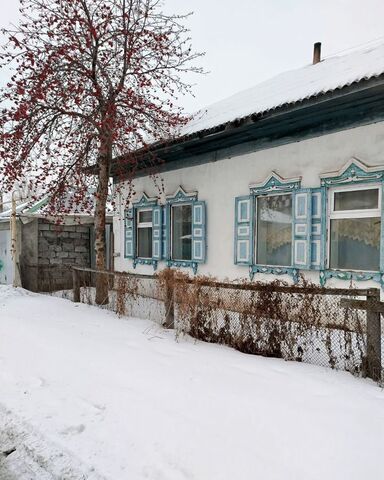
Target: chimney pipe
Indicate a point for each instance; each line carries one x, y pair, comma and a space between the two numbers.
316, 53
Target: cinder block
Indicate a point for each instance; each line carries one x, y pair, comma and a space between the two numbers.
48, 235
68, 247
44, 261
55, 261
80, 242
81, 261
82, 229
43, 246
68, 261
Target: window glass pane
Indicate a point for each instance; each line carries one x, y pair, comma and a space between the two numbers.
144, 242
145, 216
274, 230
182, 232
355, 244
357, 200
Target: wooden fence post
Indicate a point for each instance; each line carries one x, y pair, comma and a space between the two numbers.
373, 366
76, 285
170, 301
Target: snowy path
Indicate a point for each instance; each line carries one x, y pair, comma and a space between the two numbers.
89, 396
34, 457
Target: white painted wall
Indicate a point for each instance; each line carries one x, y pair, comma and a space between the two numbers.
220, 182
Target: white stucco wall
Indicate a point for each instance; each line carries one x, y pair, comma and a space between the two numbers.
220, 182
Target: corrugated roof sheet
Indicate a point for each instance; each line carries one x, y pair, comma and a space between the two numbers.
39, 208
294, 86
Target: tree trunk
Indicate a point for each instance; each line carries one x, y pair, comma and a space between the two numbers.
101, 201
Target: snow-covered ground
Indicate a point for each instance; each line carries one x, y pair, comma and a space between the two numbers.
86, 395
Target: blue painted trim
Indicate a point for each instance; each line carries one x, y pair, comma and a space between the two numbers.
304, 220
145, 201
248, 224
181, 196
129, 218
292, 272
317, 228
145, 261
275, 184
166, 254
199, 227
324, 227
183, 264
355, 172
382, 231
357, 276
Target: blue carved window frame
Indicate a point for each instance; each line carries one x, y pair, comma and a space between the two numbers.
180, 197
274, 184
144, 203
355, 172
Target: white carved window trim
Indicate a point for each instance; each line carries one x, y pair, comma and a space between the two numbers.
343, 214
175, 205
256, 223
143, 225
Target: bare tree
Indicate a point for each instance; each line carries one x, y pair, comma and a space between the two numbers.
93, 81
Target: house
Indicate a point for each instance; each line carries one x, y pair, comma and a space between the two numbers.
46, 247
281, 180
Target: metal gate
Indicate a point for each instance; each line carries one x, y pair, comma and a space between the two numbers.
6, 268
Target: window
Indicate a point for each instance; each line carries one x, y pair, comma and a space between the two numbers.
144, 233
181, 232
354, 230
274, 230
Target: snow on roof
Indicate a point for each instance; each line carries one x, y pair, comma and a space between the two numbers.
39, 208
19, 209
293, 86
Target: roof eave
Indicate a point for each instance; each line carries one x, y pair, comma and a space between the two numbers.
161, 148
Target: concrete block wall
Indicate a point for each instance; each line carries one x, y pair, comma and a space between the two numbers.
59, 247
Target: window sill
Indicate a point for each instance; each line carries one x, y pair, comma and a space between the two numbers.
183, 264
351, 275
145, 261
274, 270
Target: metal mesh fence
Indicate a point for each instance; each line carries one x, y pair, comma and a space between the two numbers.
305, 327
305, 324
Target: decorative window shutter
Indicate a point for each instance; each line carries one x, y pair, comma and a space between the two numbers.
166, 232
129, 233
198, 232
382, 234
302, 228
157, 222
244, 214
318, 233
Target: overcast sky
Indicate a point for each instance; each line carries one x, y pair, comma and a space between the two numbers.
248, 41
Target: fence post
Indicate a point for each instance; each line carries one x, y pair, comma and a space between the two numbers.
76, 285
170, 300
373, 363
